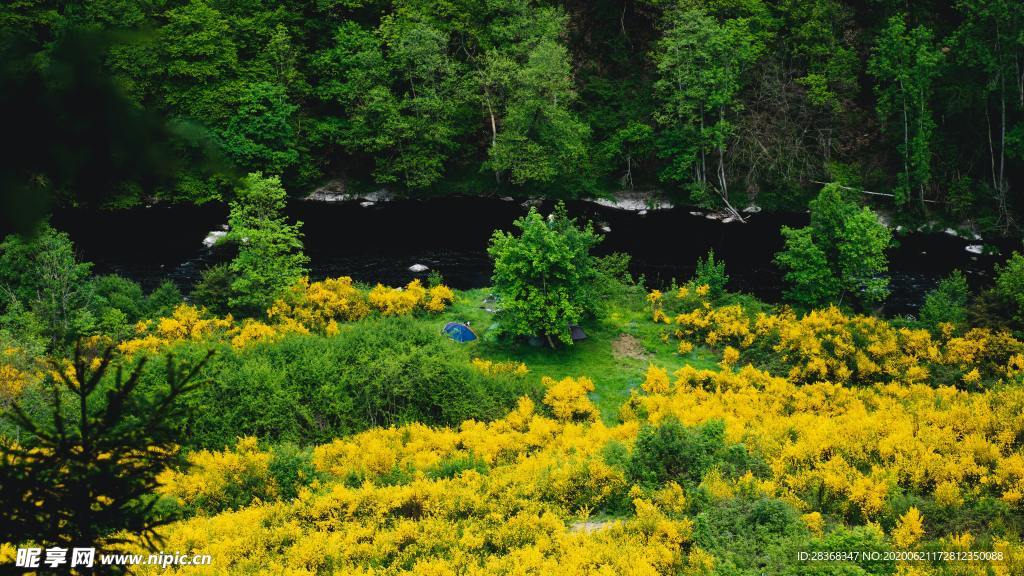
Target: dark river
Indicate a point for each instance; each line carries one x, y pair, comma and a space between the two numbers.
378, 244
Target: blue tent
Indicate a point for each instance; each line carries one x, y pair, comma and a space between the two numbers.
459, 332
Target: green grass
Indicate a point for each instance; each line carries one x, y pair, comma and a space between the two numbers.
613, 377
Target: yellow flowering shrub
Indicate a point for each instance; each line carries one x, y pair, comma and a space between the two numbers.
254, 331
492, 368
521, 516
909, 529
657, 380
568, 399
438, 298
831, 450
853, 422
185, 323
316, 305
12, 381
829, 345
219, 480
397, 301
848, 448
305, 307
814, 522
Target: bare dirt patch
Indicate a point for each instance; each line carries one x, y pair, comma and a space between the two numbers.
588, 527
626, 346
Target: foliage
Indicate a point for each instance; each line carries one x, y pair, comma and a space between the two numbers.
213, 290
828, 345
1009, 285
310, 388
947, 302
701, 60
670, 451
542, 140
840, 254
88, 470
545, 276
270, 257
568, 399
906, 63
232, 479
822, 467
711, 274
723, 101
807, 272
42, 274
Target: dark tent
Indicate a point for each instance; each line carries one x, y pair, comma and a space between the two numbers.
459, 332
577, 333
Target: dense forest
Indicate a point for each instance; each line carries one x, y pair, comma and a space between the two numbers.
721, 103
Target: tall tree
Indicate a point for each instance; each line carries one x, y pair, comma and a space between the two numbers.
41, 274
544, 276
541, 139
990, 39
839, 256
905, 63
701, 60
270, 257
260, 134
86, 469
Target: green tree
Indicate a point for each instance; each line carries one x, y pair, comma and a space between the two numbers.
947, 302
809, 279
260, 135
990, 42
541, 140
199, 57
544, 276
87, 468
270, 256
712, 274
840, 255
402, 91
44, 276
1009, 285
905, 63
701, 60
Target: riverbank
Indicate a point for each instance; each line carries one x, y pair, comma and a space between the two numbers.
380, 242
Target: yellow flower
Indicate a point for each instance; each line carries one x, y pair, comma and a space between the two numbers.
568, 399
814, 522
909, 529
657, 381
654, 296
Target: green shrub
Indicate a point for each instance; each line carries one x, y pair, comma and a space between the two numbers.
545, 275
452, 467
310, 389
291, 467
163, 300
1009, 285
751, 534
116, 292
947, 302
671, 451
711, 273
214, 289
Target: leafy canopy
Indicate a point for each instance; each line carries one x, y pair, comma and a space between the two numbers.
545, 275
270, 257
840, 255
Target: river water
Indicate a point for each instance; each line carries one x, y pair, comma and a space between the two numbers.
378, 243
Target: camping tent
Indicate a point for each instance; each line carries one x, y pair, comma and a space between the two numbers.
459, 332
577, 333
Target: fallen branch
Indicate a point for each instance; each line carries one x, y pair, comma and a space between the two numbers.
863, 191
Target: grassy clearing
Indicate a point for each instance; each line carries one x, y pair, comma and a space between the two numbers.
613, 375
